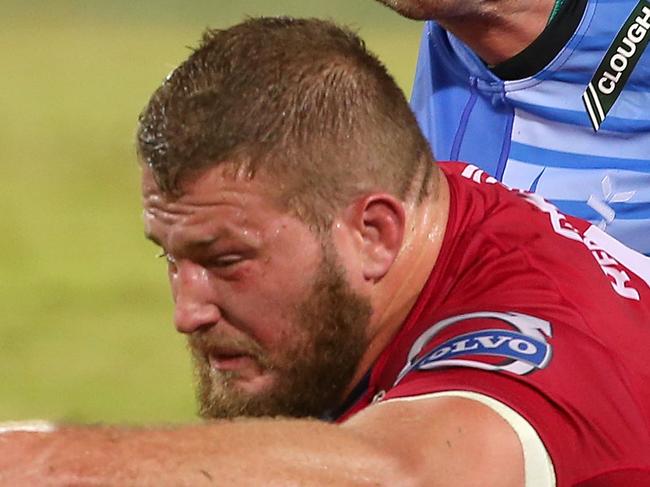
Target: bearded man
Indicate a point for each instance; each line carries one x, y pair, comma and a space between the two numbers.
372, 318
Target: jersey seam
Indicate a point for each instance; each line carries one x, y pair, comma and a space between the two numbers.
464, 120
507, 144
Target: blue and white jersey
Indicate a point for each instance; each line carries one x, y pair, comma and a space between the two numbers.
536, 133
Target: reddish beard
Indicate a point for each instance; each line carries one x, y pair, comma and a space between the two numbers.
311, 374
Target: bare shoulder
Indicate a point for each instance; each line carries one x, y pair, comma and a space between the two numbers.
445, 441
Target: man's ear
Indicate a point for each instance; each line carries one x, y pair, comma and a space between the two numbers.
378, 221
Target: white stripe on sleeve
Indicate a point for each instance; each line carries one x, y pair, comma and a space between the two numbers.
538, 465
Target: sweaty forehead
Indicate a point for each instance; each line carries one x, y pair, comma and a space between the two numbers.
211, 185
211, 203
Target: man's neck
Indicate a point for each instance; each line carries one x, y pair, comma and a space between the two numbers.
500, 29
398, 291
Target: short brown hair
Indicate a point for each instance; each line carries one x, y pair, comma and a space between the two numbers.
301, 100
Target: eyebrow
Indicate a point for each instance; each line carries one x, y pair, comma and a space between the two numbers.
204, 242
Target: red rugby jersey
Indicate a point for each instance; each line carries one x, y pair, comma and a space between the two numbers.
542, 312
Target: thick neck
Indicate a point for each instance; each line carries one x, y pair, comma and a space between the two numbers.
501, 29
398, 291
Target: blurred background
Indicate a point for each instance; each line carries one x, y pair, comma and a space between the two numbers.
85, 331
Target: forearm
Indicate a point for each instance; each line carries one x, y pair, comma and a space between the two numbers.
252, 452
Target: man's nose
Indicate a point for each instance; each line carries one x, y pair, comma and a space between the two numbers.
194, 298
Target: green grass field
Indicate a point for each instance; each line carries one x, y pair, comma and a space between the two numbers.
86, 331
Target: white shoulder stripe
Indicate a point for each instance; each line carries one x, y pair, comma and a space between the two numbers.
539, 471
34, 426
